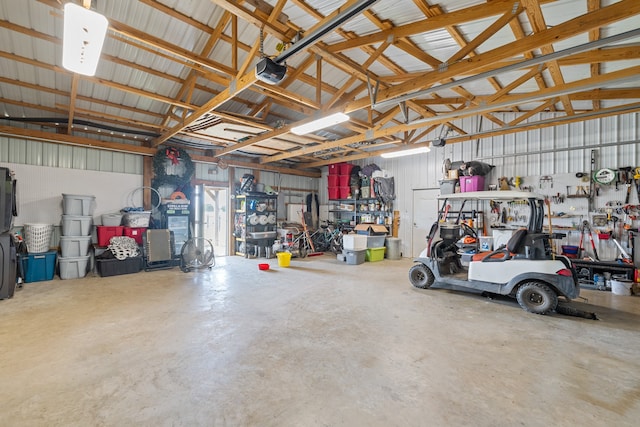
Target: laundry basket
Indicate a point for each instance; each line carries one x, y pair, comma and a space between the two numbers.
37, 237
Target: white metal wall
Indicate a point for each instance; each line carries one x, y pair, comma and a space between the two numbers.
549, 151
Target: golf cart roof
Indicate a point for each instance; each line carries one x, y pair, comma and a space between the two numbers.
492, 195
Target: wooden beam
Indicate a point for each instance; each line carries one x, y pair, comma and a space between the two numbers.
536, 18
580, 24
577, 86
457, 17
72, 102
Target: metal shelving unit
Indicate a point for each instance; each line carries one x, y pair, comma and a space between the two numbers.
357, 211
255, 225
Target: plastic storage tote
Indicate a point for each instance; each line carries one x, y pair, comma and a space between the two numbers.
73, 204
375, 254
112, 219
116, 267
73, 267
354, 257
136, 233
72, 246
76, 225
106, 233
471, 183
354, 242
37, 267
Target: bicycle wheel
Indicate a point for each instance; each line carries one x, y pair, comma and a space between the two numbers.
336, 244
197, 253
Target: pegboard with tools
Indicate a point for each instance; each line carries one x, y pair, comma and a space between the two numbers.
610, 205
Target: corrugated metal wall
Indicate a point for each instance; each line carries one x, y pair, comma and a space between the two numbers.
20, 151
554, 150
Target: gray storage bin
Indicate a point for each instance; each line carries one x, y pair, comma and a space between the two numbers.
74, 246
74, 204
354, 257
448, 186
75, 225
73, 267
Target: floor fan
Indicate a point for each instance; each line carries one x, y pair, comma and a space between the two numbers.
197, 253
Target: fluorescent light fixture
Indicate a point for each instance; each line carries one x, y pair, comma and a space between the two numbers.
324, 122
84, 33
402, 153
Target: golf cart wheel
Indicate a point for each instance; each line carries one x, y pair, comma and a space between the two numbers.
537, 298
421, 276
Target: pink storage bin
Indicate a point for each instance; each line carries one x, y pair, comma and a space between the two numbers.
471, 183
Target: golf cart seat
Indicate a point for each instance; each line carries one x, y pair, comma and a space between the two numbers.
514, 248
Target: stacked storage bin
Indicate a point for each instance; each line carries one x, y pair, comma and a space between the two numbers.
375, 248
110, 228
38, 264
344, 181
339, 181
334, 192
76, 235
135, 224
354, 248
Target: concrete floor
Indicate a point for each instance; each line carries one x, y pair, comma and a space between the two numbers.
318, 344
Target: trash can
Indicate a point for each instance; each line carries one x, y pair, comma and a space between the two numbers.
393, 247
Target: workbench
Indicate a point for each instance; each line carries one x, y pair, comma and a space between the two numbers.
586, 269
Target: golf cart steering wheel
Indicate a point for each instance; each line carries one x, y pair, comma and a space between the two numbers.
468, 231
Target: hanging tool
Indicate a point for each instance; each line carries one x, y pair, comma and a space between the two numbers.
636, 178
445, 213
625, 256
591, 189
627, 181
587, 227
553, 252
546, 180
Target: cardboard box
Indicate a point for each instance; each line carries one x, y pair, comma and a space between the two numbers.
371, 229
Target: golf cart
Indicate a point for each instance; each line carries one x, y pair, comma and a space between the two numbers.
524, 268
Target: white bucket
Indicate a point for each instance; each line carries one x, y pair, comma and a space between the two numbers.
621, 287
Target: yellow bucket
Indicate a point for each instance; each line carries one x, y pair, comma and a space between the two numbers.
284, 259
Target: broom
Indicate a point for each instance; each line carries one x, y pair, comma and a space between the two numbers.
305, 231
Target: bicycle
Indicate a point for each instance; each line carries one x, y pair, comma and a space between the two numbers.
329, 237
